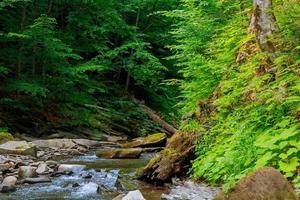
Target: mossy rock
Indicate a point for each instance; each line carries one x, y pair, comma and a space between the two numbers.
154, 140
18, 148
172, 161
119, 153
264, 184
5, 136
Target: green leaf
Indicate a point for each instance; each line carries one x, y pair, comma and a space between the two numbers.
289, 166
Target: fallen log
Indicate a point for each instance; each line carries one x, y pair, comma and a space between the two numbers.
156, 118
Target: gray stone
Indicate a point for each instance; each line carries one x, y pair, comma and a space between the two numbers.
42, 168
4, 166
86, 142
19, 148
55, 143
27, 172
10, 181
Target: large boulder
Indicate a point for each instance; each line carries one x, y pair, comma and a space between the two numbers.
172, 161
264, 184
119, 153
27, 172
55, 143
19, 148
10, 181
154, 140
86, 142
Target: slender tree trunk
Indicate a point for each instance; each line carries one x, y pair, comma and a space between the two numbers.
127, 81
136, 25
34, 61
50, 4
19, 62
263, 24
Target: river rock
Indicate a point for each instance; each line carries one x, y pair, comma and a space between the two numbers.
264, 184
19, 148
86, 142
41, 179
134, 195
4, 166
10, 180
70, 168
51, 163
27, 172
7, 188
154, 140
191, 191
119, 153
42, 168
55, 143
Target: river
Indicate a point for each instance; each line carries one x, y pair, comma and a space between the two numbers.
113, 176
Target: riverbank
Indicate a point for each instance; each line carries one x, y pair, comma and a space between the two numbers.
69, 168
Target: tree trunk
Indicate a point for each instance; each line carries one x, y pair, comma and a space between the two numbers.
156, 118
19, 62
127, 81
263, 24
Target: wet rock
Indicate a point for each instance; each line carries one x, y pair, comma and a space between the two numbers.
4, 166
119, 153
27, 172
75, 185
7, 188
86, 142
19, 148
191, 191
155, 140
42, 168
21, 163
264, 184
172, 161
70, 168
41, 179
40, 154
10, 181
55, 143
51, 163
87, 176
134, 195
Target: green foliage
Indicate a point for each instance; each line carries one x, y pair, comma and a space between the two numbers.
254, 122
59, 56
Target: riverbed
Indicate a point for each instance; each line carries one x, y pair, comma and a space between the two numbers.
102, 179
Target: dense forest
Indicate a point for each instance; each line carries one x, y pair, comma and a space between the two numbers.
225, 74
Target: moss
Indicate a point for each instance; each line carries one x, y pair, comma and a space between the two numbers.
4, 137
155, 137
154, 140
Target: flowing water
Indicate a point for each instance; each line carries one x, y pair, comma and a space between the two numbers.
113, 176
